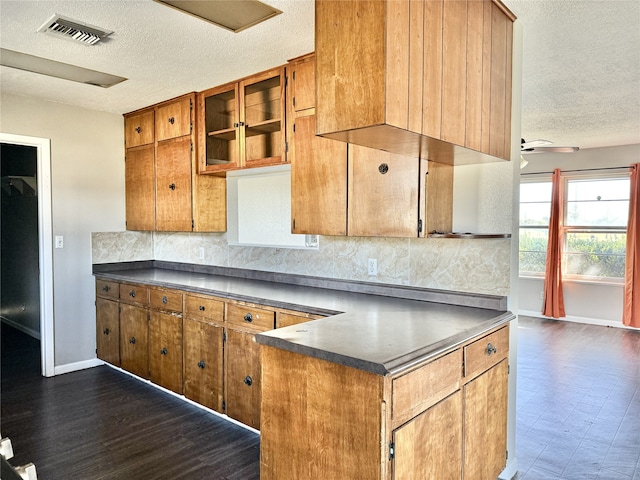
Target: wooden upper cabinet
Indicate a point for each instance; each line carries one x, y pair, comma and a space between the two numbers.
173, 119
410, 76
140, 188
301, 73
138, 129
173, 185
242, 123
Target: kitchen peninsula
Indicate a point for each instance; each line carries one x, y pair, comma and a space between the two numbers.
371, 378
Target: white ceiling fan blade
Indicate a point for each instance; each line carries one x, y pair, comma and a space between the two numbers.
551, 150
534, 144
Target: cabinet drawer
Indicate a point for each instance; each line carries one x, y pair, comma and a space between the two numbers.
253, 318
419, 389
165, 300
288, 319
204, 307
107, 289
486, 352
135, 294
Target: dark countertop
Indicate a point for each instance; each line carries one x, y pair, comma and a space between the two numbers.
372, 332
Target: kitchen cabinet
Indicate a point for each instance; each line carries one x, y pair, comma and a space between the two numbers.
444, 417
242, 124
163, 191
412, 77
165, 338
242, 361
203, 350
362, 192
107, 322
134, 329
318, 165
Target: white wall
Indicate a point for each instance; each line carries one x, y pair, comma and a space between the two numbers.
584, 302
87, 176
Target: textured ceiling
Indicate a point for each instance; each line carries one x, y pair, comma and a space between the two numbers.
581, 72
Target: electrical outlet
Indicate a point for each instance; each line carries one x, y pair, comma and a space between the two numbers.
372, 266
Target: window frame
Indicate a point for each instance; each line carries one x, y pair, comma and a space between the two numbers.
542, 178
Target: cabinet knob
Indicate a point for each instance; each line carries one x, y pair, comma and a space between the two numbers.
201, 364
172, 186
383, 168
201, 308
132, 340
138, 129
106, 288
132, 294
236, 124
248, 318
164, 351
165, 300
491, 349
106, 331
172, 120
248, 380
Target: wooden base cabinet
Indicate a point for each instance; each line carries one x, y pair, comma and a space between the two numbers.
134, 339
443, 419
108, 322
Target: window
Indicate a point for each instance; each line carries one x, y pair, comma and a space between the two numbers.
596, 210
596, 215
535, 206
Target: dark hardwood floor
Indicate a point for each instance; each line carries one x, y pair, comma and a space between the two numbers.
578, 401
102, 424
578, 417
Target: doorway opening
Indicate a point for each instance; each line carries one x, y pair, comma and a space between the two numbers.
26, 278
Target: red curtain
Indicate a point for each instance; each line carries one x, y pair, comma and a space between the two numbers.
631, 308
553, 294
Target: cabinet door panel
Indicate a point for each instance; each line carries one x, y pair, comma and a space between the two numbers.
139, 188
173, 120
165, 350
203, 363
108, 331
318, 182
485, 424
242, 378
382, 201
430, 446
173, 186
138, 129
303, 85
134, 345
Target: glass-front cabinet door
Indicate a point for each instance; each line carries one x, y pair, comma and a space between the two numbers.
242, 123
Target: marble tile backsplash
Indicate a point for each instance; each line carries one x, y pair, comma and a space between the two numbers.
464, 265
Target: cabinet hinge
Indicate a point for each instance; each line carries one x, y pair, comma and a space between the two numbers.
148, 317
286, 147
224, 338
193, 225
508, 369
224, 405
419, 225
392, 451
507, 454
294, 128
294, 102
293, 75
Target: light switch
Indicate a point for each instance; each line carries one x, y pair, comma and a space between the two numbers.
59, 241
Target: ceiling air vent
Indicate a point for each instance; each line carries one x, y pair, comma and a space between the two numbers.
75, 30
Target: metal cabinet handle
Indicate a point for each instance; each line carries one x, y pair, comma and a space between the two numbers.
172, 120
383, 168
106, 331
138, 129
106, 288
201, 364
491, 349
165, 300
248, 317
132, 340
164, 351
201, 308
172, 186
248, 380
132, 294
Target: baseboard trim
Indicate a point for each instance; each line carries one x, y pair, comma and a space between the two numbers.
571, 318
74, 367
32, 333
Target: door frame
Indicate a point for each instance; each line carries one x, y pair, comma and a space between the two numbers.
45, 244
